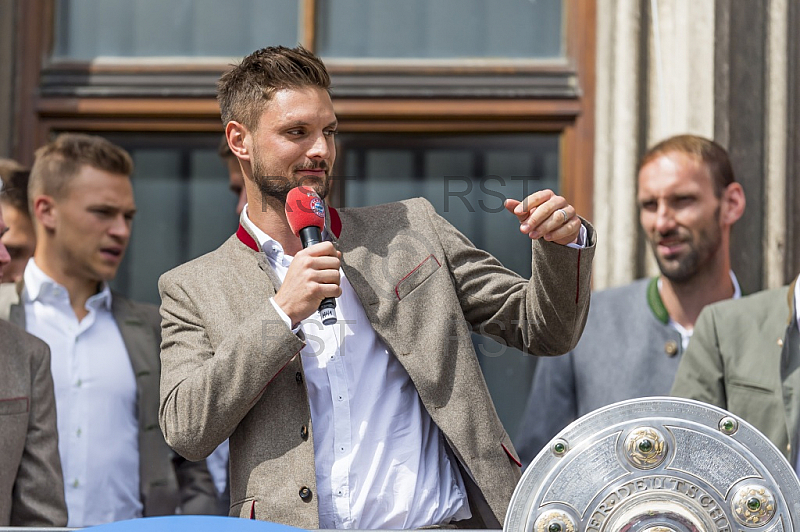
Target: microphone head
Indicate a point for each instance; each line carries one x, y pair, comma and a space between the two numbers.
304, 208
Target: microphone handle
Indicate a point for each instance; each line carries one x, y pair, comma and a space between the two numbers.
327, 308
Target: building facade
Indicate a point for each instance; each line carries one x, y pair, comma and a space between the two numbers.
465, 102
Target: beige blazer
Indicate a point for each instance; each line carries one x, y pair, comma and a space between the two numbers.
31, 485
230, 366
744, 356
167, 480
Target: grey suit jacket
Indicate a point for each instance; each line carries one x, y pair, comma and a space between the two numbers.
167, 480
627, 350
31, 485
230, 364
745, 357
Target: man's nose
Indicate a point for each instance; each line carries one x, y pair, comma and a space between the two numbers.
665, 218
319, 149
5, 258
121, 228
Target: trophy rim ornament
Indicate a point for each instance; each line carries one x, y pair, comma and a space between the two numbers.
657, 464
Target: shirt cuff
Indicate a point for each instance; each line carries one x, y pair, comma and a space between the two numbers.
581, 243
285, 317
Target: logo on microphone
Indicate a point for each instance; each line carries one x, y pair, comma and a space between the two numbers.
317, 207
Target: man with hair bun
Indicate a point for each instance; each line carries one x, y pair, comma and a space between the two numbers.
635, 334
104, 363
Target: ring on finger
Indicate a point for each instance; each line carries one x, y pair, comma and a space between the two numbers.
564, 214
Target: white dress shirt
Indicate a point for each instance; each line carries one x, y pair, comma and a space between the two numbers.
95, 392
380, 460
217, 463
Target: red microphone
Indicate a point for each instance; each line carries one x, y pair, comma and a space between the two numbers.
305, 212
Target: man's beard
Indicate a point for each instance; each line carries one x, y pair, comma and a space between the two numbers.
274, 189
683, 269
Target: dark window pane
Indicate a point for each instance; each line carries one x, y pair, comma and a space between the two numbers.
496, 29
87, 29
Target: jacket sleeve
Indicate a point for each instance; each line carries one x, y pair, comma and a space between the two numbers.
551, 405
542, 316
700, 373
38, 495
207, 389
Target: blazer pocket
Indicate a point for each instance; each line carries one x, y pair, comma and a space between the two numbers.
245, 508
417, 276
750, 386
13, 405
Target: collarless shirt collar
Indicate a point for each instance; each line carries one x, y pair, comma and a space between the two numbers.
41, 287
271, 247
686, 334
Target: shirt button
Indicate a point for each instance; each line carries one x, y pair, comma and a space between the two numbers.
671, 348
79, 383
298, 377
304, 432
305, 494
75, 483
78, 432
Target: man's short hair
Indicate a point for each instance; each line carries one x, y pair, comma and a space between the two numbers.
243, 91
708, 152
14, 184
59, 161
14, 191
8, 167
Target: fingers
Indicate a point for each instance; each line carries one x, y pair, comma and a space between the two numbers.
546, 215
312, 276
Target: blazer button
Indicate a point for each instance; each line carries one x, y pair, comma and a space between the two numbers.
305, 494
298, 377
304, 432
671, 348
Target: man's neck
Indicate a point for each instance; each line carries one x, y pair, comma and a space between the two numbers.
79, 290
684, 301
272, 220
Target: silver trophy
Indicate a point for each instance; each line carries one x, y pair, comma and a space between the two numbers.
658, 464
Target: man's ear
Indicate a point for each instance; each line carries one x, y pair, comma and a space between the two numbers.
733, 203
44, 210
239, 140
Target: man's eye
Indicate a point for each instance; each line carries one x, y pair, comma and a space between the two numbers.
331, 133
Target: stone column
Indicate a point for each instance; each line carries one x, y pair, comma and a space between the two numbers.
617, 140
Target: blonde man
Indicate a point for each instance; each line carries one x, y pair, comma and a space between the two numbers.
104, 347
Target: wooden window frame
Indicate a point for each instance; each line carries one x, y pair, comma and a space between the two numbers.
422, 97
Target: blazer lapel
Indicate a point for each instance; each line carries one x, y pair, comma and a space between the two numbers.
137, 337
